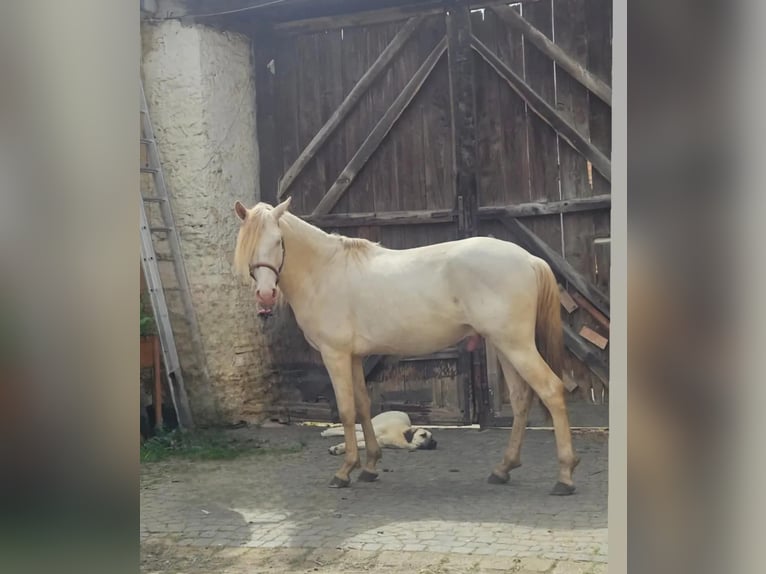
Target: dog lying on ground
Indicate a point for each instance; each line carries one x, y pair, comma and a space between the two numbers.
393, 429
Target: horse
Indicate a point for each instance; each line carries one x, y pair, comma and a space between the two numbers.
352, 298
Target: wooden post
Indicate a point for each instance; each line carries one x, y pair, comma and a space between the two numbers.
463, 115
463, 112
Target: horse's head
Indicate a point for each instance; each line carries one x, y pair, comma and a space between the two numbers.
260, 251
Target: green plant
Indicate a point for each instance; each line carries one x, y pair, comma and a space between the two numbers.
205, 445
147, 320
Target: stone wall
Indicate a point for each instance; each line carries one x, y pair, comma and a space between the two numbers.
201, 95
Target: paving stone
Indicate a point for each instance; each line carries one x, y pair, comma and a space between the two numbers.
536, 564
567, 567
280, 501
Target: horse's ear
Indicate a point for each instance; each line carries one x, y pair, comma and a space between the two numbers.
280, 209
408, 434
241, 210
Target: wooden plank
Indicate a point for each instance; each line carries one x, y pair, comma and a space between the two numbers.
418, 217
310, 49
599, 32
592, 336
463, 116
514, 120
369, 17
264, 54
595, 313
491, 157
546, 112
572, 66
348, 103
542, 141
463, 112
451, 353
581, 350
567, 301
572, 102
435, 128
560, 265
366, 18
379, 132
495, 378
569, 384
536, 208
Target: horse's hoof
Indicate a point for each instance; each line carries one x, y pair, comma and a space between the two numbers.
561, 489
367, 476
339, 482
497, 479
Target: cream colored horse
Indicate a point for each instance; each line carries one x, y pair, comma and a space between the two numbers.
353, 298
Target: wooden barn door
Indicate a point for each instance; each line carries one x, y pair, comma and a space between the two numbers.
359, 124
436, 125
543, 99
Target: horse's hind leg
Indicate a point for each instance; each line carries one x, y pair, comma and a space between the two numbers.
521, 399
339, 367
530, 365
362, 401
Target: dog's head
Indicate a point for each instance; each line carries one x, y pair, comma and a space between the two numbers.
420, 438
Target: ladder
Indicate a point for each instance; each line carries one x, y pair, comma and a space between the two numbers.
150, 265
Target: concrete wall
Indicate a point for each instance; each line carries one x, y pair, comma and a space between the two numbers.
199, 85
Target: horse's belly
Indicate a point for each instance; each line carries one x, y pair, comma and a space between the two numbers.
411, 341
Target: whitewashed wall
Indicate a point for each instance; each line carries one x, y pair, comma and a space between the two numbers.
199, 85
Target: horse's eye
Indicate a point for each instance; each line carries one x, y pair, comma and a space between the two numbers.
252, 273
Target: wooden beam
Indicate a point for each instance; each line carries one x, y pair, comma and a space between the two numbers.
559, 265
464, 180
380, 131
418, 217
545, 111
384, 218
595, 313
555, 52
583, 352
348, 103
532, 209
366, 18
463, 116
369, 17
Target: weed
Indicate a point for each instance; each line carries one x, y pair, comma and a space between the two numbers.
205, 445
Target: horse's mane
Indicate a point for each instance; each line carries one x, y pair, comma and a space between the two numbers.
250, 233
355, 245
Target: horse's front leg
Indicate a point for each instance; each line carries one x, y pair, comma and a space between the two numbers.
362, 401
339, 367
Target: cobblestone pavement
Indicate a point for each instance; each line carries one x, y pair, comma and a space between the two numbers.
265, 512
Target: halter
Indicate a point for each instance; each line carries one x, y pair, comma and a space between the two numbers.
276, 271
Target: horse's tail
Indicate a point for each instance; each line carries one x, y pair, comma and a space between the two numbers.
549, 334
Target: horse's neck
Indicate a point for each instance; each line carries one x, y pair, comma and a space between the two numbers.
307, 249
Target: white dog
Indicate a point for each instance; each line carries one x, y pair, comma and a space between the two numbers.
393, 429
